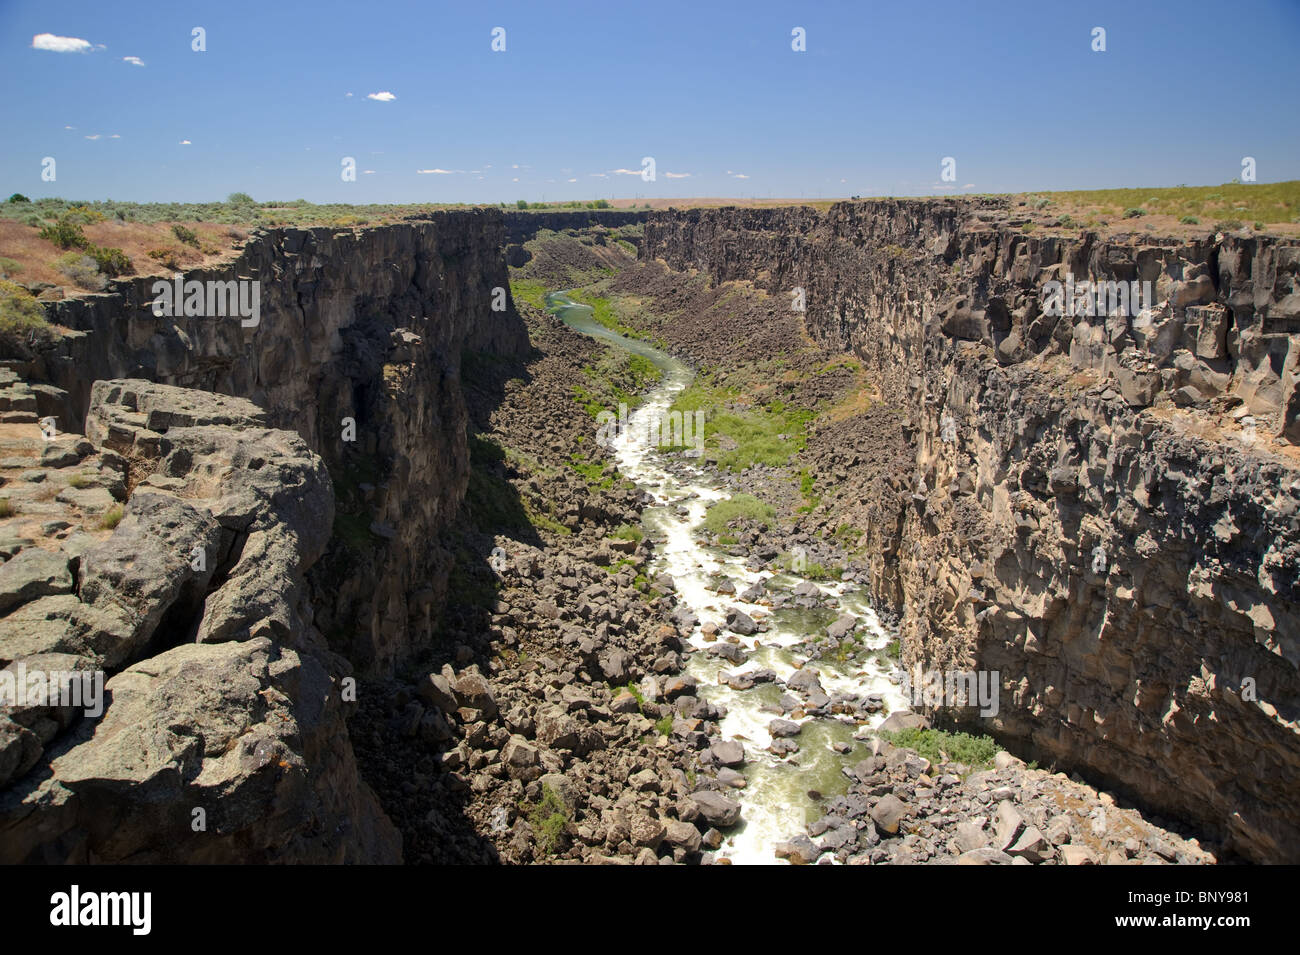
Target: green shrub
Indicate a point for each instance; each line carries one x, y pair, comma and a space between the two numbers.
548, 818
1227, 225
186, 236
112, 262
664, 726
18, 197
626, 532
521, 204
1134, 213
65, 234
1190, 220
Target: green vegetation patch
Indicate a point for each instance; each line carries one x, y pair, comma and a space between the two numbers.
975, 751
531, 291
549, 818
741, 436
738, 506
22, 319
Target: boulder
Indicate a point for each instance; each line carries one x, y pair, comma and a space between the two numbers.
716, 809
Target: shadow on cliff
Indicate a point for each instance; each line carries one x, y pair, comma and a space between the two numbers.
408, 752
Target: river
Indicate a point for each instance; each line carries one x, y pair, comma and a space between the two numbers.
781, 794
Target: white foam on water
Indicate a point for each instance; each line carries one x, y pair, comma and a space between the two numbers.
775, 800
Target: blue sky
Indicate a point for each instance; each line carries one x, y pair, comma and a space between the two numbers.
712, 90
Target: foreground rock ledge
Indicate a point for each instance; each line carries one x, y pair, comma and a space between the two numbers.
223, 737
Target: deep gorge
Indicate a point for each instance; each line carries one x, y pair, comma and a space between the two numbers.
358, 559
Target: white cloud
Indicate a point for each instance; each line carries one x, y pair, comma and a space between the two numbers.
367, 172
677, 175
969, 185
96, 136
133, 60
516, 179
571, 180
347, 95
115, 136
185, 142
626, 172
438, 172
737, 175
60, 44
383, 97
69, 127
598, 175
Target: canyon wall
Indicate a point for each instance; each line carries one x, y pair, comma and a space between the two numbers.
1103, 507
522, 226
280, 491
365, 325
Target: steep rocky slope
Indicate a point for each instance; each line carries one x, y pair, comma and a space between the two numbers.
1101, 509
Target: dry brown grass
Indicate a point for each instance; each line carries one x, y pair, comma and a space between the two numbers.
37, 257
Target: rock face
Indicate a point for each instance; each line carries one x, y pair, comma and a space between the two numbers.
363, 328
223, 737
1101, 508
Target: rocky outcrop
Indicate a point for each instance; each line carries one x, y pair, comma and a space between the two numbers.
222, 736
358, 349
1103, 507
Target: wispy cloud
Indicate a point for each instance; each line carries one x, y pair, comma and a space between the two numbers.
625, 172
383, 97
677, 175
185, 142
737, 175
133, 60
60, 44
438, 172
95, 136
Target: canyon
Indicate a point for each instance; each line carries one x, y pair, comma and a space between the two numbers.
419, 632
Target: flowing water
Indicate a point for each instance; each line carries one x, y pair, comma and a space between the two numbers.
781, 794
